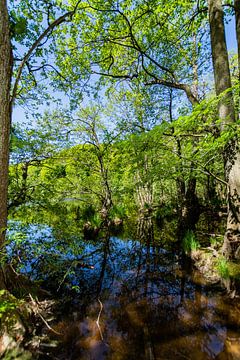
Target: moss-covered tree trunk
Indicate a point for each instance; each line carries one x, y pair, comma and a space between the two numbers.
231, 247
5, 113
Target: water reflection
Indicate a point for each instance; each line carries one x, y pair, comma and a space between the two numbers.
137, 301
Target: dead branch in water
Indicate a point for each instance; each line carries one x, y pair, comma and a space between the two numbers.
37, 312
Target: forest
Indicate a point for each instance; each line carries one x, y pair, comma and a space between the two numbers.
119, 179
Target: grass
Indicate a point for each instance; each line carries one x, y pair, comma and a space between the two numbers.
223, 268
216, 242
190, 243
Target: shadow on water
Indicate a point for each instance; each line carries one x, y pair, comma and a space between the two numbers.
135, 300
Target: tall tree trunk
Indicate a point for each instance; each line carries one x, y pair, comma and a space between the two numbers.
237, 19
5, 113
231, 247
189, 204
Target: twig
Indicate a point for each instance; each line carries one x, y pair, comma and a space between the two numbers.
12, 268
42, 318
98, 318
209, 234
64, 277
74, 264
48, 326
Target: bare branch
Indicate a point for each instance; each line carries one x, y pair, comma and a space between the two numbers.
193, 100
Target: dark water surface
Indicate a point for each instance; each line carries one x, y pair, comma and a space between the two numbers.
140, 302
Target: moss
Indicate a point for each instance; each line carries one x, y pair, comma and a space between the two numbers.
17, 354
8, 303
206, 262
228, 269
14, 319
234, 270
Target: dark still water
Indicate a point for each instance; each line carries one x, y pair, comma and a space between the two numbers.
133, 299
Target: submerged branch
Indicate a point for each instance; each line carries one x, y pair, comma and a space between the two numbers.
37, 312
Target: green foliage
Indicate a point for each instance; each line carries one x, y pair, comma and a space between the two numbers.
228, 269
137, 137
117, 211
7, 303
164, 211
96, 220
18, 354
18, 26
190, 243
88, 212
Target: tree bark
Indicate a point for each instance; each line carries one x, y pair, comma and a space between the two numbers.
231, 155
237, 19
144, 188
189, 204
190, 209
5, 113
107, 202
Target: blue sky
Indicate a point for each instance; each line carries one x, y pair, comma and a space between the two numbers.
231, 36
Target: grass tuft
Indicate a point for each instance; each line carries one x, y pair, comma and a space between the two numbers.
190, 243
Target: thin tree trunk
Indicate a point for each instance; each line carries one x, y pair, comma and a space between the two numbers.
144, 189
5, 113
107, 202
231, 154
189, 204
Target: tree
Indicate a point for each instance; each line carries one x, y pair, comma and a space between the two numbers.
227, 117
237, 21
5, 113
148, 45
134, 40
161, 44
88, 127
7, 98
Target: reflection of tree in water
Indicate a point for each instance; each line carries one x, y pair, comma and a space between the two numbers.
152, 309
145, 230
